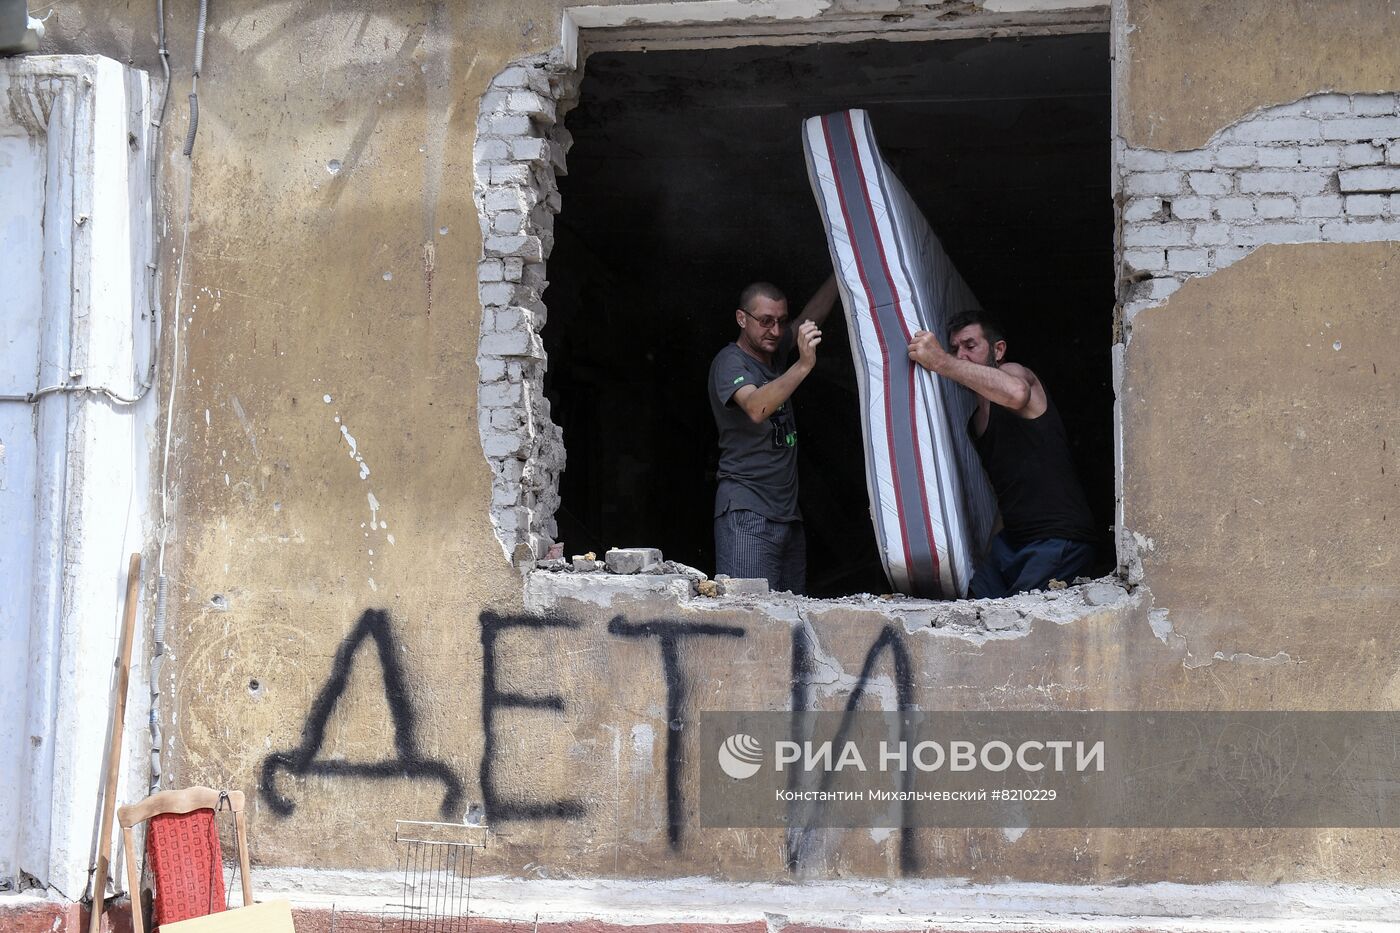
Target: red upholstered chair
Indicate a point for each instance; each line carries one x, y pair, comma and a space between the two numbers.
182, 849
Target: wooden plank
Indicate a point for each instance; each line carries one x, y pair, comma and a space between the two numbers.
269, 917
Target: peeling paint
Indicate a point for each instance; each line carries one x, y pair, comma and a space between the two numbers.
1161, 625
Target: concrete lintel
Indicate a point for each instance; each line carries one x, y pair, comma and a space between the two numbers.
688, 11
722, 23
1042, 6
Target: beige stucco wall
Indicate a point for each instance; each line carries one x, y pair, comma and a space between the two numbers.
1261, 402
1253, 456
1193, 68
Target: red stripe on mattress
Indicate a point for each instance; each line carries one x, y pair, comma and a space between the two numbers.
913, 394
884, 350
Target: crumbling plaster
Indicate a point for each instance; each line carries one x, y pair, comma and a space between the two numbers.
1325, 168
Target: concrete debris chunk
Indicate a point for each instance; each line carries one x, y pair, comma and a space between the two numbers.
632, 559
584, 563
1056, 585
959, 616
732, 586
1000, 619
707, 588
553, 564
1103, 594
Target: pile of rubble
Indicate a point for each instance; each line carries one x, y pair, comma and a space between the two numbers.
648, 560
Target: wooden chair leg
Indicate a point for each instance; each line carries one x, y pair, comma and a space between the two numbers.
133, 881
243, 873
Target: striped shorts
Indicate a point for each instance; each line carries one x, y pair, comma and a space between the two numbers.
749, 546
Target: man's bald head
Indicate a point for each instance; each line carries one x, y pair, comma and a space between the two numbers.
760, 290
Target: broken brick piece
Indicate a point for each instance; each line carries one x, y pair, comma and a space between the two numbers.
632, 559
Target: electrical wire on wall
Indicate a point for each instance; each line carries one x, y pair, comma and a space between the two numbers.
146, 380
194, 78
162, 585
162, 581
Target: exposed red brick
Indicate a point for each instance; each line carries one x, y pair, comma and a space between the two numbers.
60, 917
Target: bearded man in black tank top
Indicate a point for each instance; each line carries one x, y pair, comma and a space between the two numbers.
1047, 530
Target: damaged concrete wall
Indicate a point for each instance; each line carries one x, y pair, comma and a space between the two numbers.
1271, 348
1258, 401
1322, 169
349, 640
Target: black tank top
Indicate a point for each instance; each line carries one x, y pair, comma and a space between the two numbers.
1028, 462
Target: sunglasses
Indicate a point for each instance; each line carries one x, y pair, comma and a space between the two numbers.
768, 322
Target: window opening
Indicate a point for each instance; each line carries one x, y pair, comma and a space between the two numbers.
686, 181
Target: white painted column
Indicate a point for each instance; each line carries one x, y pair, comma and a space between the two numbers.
75, 496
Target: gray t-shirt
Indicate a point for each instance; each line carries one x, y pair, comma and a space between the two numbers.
757, 462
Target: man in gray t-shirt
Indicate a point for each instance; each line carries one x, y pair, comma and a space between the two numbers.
758, 528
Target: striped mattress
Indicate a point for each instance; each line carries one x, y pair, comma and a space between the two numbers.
930, 500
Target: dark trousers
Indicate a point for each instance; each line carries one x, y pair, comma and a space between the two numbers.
1007, 570
749, 546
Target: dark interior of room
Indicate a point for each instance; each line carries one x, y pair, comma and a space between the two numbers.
687, 181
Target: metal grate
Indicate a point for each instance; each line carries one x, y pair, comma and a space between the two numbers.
436, 861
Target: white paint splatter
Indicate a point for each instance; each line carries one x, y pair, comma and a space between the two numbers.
372, 585
206, 417
354, 450
326, 399
391, 539
373, 510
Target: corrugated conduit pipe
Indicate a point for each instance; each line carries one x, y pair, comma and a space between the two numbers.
194, 84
